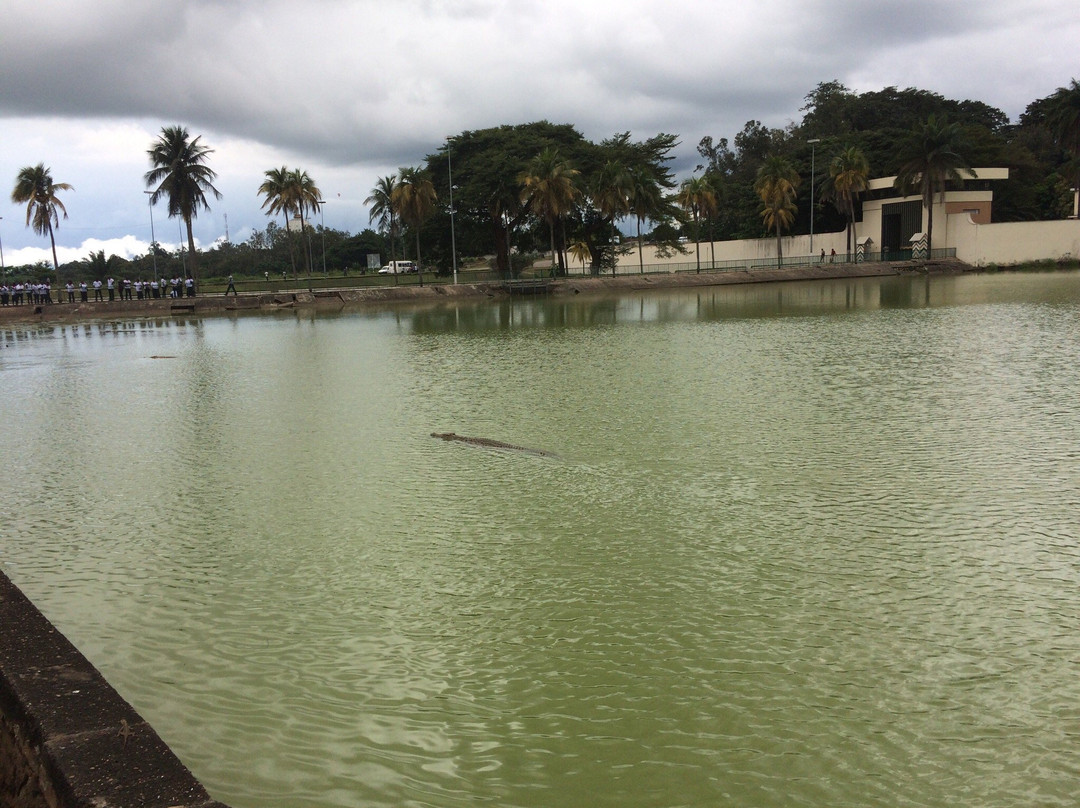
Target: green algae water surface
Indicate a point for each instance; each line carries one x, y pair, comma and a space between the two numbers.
803, 544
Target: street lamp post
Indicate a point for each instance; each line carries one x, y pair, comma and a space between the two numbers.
450, 180
153, 241
813, 145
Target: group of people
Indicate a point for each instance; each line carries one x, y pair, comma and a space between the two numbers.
19, 294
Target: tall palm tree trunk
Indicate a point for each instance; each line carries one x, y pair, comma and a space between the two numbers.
551, 233
929, 228
419, 266
56, 265
640, 253
697, 242
191, 249
289, 241
307, 251
562, 248
712, 246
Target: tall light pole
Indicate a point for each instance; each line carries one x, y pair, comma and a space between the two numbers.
322, 224
153, 241
450, 180
3, 269
813, 145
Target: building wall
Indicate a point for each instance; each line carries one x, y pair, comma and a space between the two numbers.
962, 221
1007, 243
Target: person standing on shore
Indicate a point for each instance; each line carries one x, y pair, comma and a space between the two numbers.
231, 287
110, 284
97, 292
82, 291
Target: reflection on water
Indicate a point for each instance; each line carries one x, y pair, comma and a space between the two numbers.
807, 544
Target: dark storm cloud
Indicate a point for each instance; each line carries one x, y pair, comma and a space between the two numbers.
365, 86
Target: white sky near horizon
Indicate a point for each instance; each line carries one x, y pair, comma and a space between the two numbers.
350, 90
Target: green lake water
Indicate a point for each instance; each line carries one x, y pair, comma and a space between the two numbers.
808, 544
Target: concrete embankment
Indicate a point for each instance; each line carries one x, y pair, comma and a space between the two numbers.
434, 293
67, 739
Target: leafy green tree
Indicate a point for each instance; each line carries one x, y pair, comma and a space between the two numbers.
548, 183
414, 200
697, 198
777, 183
932, 155
488, 207
849, 176
609, 193
34, 186
182, 177
97, 266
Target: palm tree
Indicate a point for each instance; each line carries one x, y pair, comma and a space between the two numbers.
697, 197
548, 183
304, 195
581, 252
931, 156
776, 184
181, 176
414, 201
1063, 118
849, 176
645, 200
275, 188
382, 210
34, 185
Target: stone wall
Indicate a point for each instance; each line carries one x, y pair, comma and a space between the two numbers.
67, 739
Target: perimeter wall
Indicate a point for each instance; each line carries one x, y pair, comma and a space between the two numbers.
1007, 243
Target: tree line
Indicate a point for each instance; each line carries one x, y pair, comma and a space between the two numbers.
518, 189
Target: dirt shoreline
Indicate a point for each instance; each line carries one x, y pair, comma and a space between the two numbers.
333, 299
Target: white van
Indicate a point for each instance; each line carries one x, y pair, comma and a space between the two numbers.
398, 268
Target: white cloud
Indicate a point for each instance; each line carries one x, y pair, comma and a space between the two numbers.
125, 247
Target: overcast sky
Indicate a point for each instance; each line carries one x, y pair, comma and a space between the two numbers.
352, 89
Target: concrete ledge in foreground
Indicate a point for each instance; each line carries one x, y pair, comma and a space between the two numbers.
67, 739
